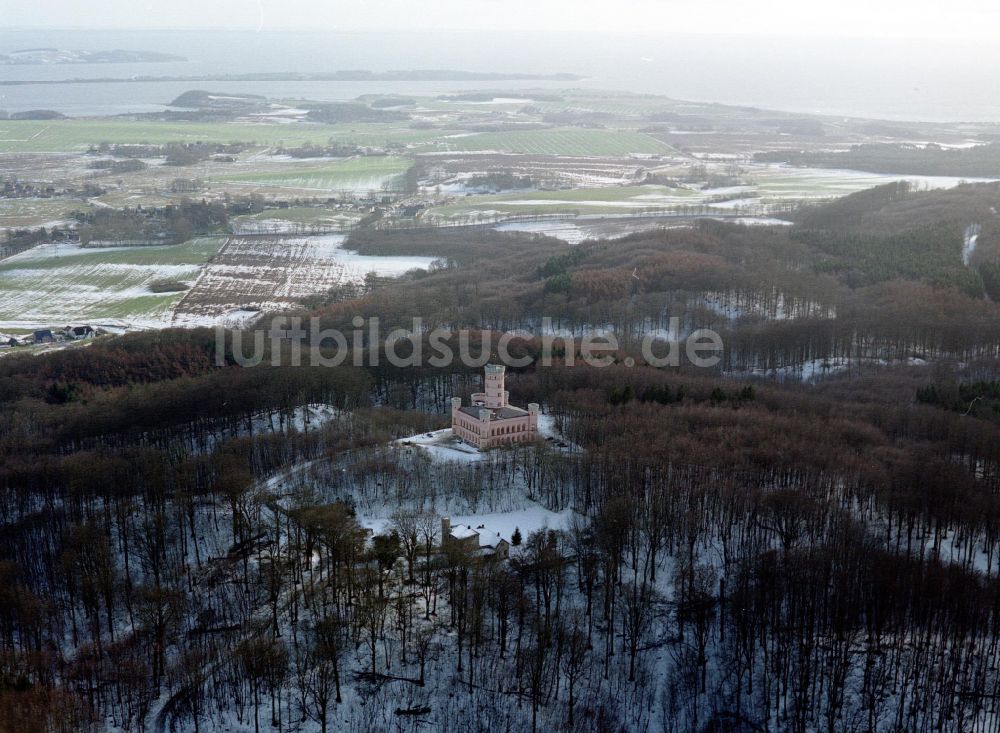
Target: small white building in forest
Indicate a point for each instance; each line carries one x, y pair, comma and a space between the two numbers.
477, 541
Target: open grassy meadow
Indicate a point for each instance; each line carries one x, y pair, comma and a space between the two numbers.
76, 135
607, 200
370, 173
294, 218
782, 183
573, 142
32, 213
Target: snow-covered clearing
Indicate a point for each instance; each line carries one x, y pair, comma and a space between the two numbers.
526, 521
441, 445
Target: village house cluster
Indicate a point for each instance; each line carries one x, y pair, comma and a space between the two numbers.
72, 332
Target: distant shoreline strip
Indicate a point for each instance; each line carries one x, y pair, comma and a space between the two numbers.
431, 76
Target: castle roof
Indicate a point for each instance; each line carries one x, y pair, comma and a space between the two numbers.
496, 413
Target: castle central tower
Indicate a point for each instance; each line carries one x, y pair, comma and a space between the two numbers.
496, 395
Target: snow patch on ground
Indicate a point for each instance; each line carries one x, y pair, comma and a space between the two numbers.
812, 371
526, 520
971, 237
442, 445
576, 230
758, 221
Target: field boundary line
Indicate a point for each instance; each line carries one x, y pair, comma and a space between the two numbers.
201, 274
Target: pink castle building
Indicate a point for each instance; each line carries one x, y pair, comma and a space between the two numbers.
490, 421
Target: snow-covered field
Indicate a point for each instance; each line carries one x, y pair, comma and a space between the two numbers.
54, 284
783, 182
271, 273
767, 192
582, 228
230, 282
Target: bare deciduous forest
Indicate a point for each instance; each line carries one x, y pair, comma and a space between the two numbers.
194, 547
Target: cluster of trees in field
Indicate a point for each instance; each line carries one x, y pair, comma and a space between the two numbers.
177, 154
131, 165
21, 240
979, 161
179, 549
171, 224
12, 187
332, 149
500, 180
340, 112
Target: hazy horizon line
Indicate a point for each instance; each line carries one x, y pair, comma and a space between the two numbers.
708, 32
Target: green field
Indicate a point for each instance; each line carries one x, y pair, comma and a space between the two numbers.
572, 142
357, 174
608, 200
23, 136
769, 186
70, 135
302, 215
194, 252
783, 183
78, 134
57, 283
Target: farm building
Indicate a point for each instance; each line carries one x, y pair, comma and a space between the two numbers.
490, 421
474, 541
78, 332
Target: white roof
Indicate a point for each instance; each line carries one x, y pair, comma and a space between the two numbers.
490, 540
463, 531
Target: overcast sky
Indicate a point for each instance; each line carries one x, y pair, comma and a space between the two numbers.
853, 18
